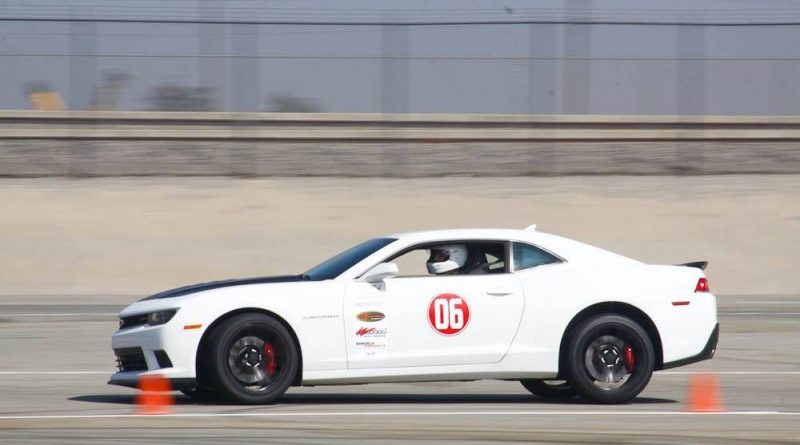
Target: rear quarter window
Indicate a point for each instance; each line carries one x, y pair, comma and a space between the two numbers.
527, 256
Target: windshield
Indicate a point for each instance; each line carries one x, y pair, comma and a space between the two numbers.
334, 267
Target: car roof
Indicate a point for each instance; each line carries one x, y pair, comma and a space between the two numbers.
461, 234
569, 249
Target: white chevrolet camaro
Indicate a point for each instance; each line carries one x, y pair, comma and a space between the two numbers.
562, 317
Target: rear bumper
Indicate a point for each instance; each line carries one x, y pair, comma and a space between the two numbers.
707, 353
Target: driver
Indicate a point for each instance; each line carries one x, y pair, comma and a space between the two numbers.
447, 259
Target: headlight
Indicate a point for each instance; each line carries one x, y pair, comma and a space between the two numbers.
160, 317
149, 319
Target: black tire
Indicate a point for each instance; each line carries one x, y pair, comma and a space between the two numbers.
591, 350
549, 389
238, 363
200, 394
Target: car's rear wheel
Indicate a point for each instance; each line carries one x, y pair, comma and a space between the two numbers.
549, 389
610, 359
253, 359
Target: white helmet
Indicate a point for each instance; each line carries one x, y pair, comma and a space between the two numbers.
447, 258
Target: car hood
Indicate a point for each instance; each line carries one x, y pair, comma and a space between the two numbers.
201, 287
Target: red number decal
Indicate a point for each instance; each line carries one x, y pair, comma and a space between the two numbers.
448, 314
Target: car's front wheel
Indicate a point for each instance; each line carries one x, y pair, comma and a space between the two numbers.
200, 394
253, 359
549, 389
610, 359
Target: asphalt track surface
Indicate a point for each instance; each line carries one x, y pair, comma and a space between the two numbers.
55, 360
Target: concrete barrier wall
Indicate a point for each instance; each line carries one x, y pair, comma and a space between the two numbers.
235, 144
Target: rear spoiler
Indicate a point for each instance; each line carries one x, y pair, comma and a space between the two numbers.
697, 264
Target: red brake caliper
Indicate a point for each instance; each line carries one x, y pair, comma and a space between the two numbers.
627, 354
272, 363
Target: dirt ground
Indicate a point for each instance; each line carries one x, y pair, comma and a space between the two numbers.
140, 235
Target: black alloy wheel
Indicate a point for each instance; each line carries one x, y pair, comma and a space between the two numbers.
610, 359
253, 359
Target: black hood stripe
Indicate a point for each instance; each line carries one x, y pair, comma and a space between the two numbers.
193, 288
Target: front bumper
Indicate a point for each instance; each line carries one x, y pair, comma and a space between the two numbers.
166, 350
132, 381
707, 353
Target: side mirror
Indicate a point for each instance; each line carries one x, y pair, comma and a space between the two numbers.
380, 272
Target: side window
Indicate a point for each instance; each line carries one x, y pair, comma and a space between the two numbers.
527, 256
495, 263
412, 264
453, 258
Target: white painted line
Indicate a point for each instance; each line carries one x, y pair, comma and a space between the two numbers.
54, 372
723, 301
759, 313
109, 372
65, 314
728, 372
404, 413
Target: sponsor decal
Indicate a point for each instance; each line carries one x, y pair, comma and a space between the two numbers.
370, 332
371, 340
320, 317
448, 314
370, 316
370, 345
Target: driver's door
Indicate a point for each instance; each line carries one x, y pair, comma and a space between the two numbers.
431, 320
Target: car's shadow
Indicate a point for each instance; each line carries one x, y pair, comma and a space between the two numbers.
367, 399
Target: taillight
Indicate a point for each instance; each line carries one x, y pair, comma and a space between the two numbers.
702, 285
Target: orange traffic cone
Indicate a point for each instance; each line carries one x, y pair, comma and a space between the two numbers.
154, 396
704, 394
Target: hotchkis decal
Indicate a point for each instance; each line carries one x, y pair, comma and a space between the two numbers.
371, 332
448, 314
371, 339
370, 316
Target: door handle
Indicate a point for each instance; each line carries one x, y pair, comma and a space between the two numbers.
499, 292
